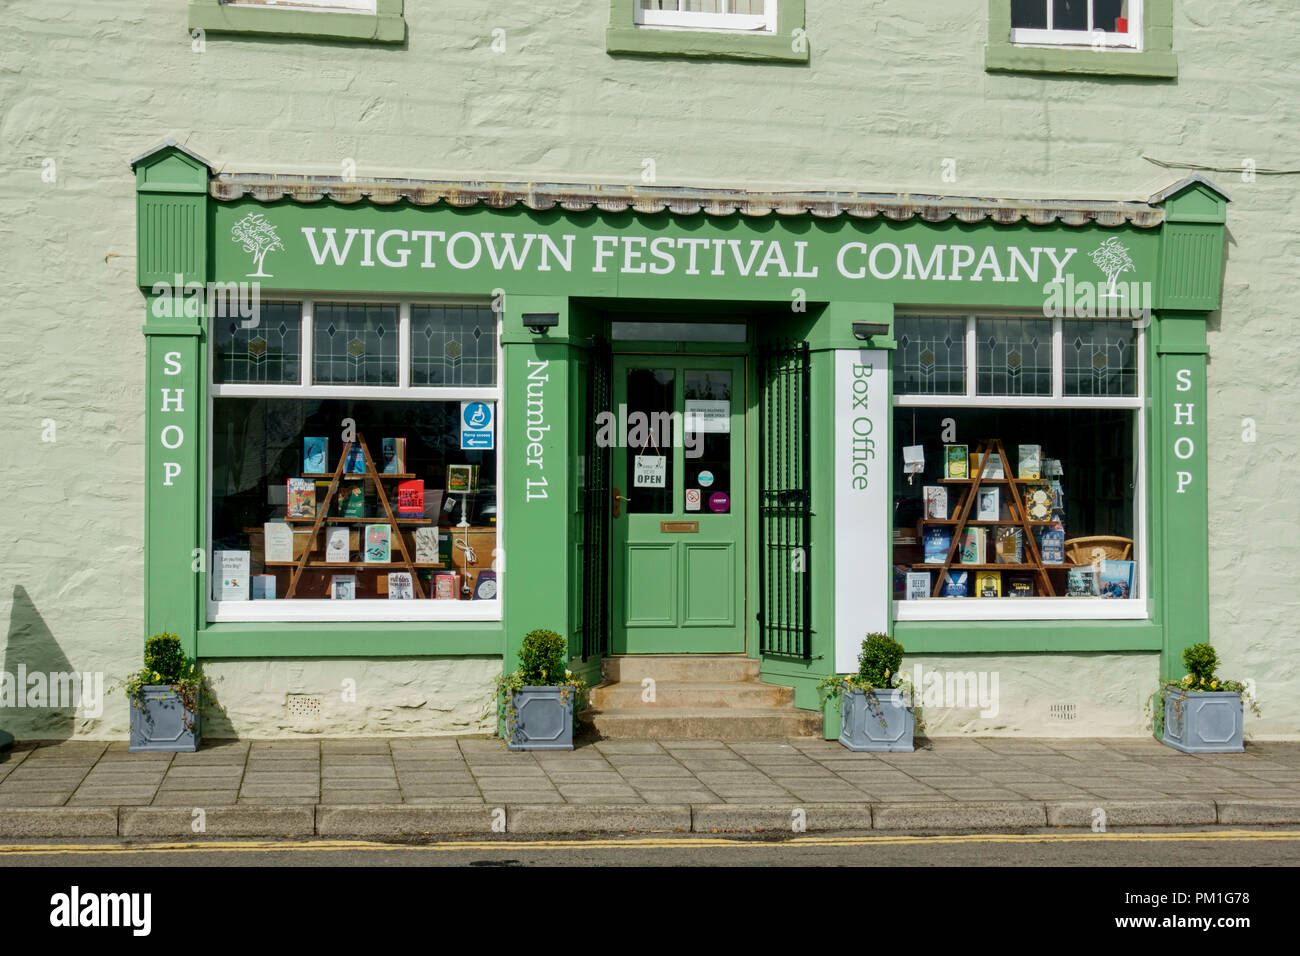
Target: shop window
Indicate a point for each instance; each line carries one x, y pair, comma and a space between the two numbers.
741, 15
931, 356
355, 344
1054, 528
410, 530
453, 345
1081, 23
1013, 356
267, 351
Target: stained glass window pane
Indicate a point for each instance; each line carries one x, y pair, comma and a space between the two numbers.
354, 344
1100, 357
453, 345
266, 353
1013, 357
931, 356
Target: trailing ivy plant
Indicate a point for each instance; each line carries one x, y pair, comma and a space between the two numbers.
879, 662
1202, 663
165, 664
542, 663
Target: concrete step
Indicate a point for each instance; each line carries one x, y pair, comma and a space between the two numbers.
714, 694
740, 723
632, 668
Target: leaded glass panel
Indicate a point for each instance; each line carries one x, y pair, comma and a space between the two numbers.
354, 344
1100, 357
268, 353
1013, 357
453, 345
931, 356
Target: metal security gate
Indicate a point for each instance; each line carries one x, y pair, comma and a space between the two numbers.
785, 502
593, 570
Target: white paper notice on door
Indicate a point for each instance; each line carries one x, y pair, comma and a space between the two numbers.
713, 417
650, 471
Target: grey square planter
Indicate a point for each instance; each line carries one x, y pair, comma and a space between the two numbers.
1203, 722
542, 720
161, 723
860, 721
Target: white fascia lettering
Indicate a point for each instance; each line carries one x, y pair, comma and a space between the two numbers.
517, 258
1059, 263
428, 236
402, 255
774, 256
1018, 257
549, 248
694, 246
989, 260
916, 270
839, 260
331, 244
961, 256
602, 253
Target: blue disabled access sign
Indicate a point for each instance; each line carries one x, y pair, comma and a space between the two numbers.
476, 426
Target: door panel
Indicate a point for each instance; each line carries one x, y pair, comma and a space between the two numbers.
706, 604
678, 522
651, 591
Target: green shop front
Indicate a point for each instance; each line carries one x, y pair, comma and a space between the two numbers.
395, 425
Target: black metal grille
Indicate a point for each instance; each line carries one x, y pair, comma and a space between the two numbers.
785, 502
593, 576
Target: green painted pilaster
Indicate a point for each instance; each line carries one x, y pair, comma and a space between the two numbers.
171, 203
535, 448
1181, 499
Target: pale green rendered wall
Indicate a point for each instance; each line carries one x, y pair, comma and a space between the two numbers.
891, 91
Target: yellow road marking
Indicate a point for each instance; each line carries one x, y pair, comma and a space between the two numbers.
659, 843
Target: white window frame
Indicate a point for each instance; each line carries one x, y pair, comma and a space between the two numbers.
718, 22
361, 611
1092, 39
312, 6
1042, 608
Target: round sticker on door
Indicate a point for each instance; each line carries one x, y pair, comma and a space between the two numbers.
477, 415
705, 479
719, 502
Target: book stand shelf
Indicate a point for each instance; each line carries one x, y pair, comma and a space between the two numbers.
1019, 518
396, 541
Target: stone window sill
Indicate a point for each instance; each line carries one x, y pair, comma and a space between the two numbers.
385, 26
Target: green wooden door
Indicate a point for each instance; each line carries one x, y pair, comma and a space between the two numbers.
678, 538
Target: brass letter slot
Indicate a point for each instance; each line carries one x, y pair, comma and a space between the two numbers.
679, 527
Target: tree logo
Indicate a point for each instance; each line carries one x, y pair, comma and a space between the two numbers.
1112, 258
258, 238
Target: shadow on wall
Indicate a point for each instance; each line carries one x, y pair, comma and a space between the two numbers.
39, 693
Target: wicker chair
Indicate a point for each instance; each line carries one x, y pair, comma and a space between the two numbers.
1080, 550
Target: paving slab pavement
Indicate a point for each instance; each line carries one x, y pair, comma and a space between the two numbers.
407, 785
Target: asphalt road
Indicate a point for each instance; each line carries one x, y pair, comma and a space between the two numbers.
1260, 846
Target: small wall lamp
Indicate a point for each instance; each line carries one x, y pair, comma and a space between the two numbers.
538, 322
864, 330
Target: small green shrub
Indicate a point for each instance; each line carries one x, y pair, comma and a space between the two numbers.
165, 657
542, 658
879, 660
1202, 662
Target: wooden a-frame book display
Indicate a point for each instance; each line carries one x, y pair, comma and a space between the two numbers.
1019, 518
323, 517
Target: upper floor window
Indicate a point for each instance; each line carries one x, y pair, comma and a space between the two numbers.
350, 6
1100, 24
741, 15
